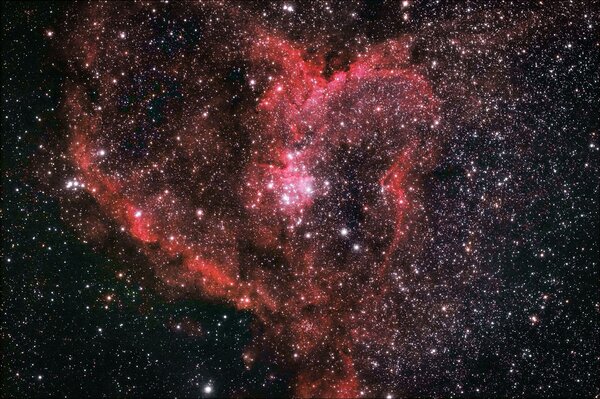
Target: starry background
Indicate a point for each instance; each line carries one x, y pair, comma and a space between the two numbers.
80, 320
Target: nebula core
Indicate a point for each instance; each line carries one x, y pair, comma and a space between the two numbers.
353, 188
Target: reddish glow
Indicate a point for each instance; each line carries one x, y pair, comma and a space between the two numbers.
302, 122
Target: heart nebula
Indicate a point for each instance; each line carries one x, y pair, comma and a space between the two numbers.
266, 179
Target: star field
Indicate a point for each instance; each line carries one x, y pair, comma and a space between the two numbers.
309, 199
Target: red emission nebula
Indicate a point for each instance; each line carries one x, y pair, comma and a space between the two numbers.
293, 197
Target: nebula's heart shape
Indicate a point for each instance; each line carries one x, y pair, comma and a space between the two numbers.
293, 206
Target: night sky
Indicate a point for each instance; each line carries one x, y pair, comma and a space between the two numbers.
290, 198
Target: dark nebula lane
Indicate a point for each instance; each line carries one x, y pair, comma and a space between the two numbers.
399, 194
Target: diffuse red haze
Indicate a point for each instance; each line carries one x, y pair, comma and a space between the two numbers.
292, 204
